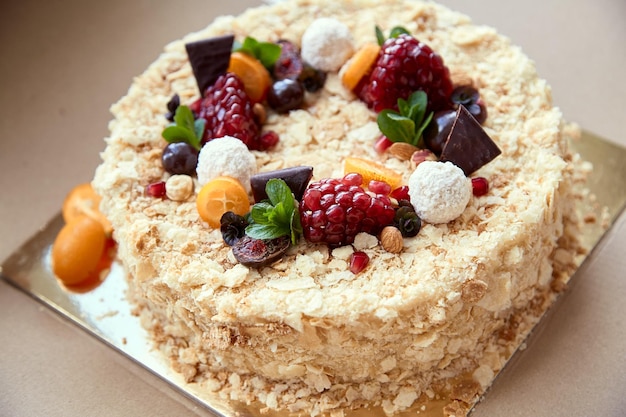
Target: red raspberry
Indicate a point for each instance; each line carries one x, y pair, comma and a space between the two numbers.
334, 211
227, 110
405, 65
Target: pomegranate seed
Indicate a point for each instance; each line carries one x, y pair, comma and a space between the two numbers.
400, 193
268, 140
379, 187
382, 144
156, 189
480, 186
358, 262
353, 178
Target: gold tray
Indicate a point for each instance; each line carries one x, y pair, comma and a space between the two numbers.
105, 313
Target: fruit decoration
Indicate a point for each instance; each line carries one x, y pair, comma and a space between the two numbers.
256, 253
180, 158
480, 186
255, 77
360, 65
405, 65
358, 262
370, 170
221, 195
233, 227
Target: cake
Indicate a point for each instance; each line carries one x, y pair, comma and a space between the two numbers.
434, 319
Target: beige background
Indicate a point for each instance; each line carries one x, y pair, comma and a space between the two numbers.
64, 62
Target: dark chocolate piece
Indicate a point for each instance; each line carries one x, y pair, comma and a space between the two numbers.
296, 178
256, 253
209, 58
468, 146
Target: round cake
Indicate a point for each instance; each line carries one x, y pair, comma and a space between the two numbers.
433, 316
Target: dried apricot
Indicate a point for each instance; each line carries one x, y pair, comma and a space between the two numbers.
77, 249
371, 170
83, 200
360, 65
256, 78
220, 195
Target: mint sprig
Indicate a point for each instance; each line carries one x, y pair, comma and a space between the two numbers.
277, 216
185, 128
408, 124
266, 52
395, 32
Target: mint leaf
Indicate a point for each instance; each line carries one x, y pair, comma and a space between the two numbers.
266, 52
380, 36
278, 216
395, 32
395, 126
409, 122
184, 128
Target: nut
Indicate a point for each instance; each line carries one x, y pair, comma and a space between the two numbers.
420, 156
259, 113
473, 291
402, 150
179, 187
391, 239
461, 78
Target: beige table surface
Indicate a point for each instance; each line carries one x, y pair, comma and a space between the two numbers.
64, 62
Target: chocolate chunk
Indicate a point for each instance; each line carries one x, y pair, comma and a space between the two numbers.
468, 146
296, 178
209, 58
256, 253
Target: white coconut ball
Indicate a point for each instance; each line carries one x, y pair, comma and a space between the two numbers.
327, 44
226, 156
439, 191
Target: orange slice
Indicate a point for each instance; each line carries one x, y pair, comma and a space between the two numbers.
256, 79
83, 200
78, 249
371, 170
220, 195
360, 65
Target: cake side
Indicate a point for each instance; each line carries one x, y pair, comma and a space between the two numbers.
293, 328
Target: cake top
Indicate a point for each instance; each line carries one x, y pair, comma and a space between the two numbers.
166, 243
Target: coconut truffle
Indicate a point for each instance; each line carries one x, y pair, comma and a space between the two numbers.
327, 44
439, 191
226, 156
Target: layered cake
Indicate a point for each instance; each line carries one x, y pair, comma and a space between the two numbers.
406, 271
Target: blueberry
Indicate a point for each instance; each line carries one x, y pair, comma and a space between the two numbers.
285, 95
180, 158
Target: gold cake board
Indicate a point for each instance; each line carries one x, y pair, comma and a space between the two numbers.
105, 313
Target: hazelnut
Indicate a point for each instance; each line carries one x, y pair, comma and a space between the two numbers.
420, 156
179, 187
259, 113
391, 239
402, 150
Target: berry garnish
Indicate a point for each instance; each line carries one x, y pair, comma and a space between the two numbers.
469, 98
480, 186
209, 59
358, 262
296, 178
256, 253
405, 65
276, 217
382, 144
334, 211
227, 110
285, 95
233, 227
371, 170
289, 63
185, 128
172, 105
408, 123
468, 145
407, 221
312, 79
155, 189
180, 158
268, 140
400, 193
436, 134
379, 187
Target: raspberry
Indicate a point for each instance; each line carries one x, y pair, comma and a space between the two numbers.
334, 211
227, 110
405, 65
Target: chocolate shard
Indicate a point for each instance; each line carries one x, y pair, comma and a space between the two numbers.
209, 58
296, 178
468, 146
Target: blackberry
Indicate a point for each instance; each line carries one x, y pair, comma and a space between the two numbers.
405, 65
334, 211
227, 110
